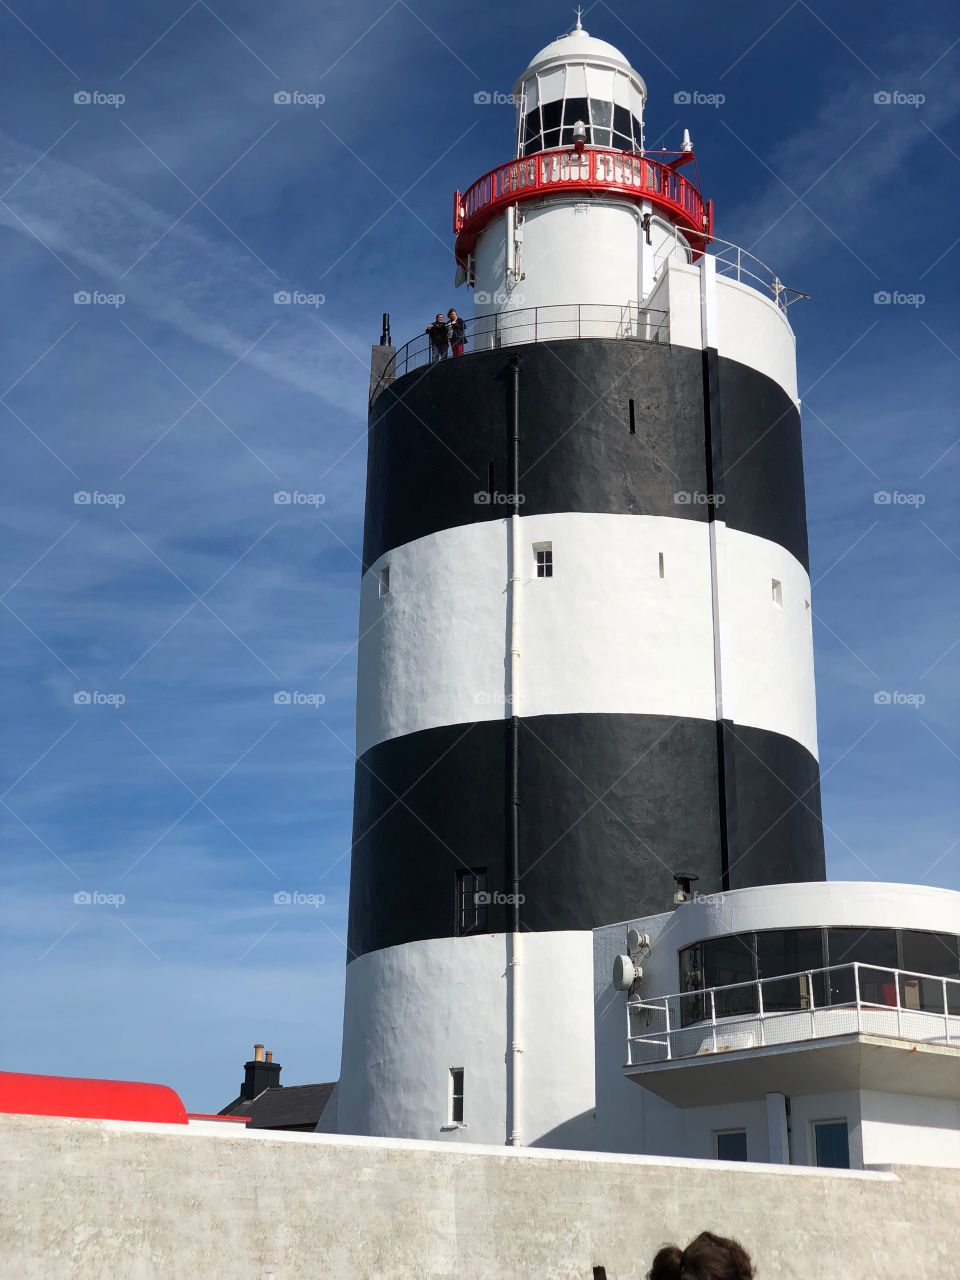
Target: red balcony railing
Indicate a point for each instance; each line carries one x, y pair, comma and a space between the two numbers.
594, 170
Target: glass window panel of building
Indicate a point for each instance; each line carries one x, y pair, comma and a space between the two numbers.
550, 124
772, 954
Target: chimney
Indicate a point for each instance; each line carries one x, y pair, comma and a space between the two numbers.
260, 1073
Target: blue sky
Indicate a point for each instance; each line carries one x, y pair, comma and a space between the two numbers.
197, 398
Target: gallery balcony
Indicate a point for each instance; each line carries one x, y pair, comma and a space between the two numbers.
849, 1027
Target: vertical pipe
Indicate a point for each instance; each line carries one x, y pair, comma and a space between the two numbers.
513, 969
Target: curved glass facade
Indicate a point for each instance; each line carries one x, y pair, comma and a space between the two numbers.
824, 954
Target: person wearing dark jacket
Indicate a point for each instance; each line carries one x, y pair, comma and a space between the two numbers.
458, 332
439, 336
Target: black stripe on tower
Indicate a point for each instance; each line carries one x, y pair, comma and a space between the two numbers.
612, 806
439, 437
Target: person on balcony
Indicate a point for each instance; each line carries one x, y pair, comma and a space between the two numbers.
439, 335
458, 332
708, 1257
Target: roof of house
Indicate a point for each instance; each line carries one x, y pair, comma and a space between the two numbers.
284, 1106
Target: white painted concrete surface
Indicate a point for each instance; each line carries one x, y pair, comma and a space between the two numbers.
605, 634
414, 1011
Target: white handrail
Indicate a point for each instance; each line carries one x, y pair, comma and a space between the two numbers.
688, 1024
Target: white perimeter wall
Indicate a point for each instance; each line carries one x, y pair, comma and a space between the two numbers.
414, 1011
604, 634
87, 1198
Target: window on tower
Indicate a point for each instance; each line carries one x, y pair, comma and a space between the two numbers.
472, 901
455, 1098
543, 556
384, 580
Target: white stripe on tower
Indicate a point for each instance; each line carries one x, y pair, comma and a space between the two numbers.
606, 634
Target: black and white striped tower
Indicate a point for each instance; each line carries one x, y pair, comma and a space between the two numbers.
585, 656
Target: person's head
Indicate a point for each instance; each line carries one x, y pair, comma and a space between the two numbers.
709, 1257
452, 313
439, 319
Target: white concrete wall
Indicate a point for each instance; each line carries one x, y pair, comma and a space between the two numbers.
751, 328
629, 1118
414, 1011
574, 250
604, 634
137, 1202
915, 1130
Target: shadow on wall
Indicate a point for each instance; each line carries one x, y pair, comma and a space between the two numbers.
579, 1133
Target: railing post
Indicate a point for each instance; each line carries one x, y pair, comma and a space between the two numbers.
666, 1014
813, 1004
856, 992
946, 1013
896, 979
713, 1017
763, 1039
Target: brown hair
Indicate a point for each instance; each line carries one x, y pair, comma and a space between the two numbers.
709, 1257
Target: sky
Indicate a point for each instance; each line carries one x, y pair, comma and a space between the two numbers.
156, 597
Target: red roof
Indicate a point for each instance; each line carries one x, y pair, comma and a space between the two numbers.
27, 1095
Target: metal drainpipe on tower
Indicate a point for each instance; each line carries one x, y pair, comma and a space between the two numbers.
513, 968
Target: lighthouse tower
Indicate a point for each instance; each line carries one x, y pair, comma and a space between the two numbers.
585, 654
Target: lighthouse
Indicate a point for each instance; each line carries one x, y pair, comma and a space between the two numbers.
585, 661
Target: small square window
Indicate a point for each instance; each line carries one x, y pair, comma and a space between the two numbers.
385, 580
455, 1102
776, 591
731, 1144
831, 1141
543, 556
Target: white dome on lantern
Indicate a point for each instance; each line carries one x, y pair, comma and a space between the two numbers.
579, 46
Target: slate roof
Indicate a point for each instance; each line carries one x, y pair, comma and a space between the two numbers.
284, 1107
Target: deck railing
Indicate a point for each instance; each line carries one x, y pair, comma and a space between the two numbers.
811, 1005
534, 324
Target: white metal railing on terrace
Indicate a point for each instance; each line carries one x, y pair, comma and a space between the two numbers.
534, 324
732, 262
812, 1005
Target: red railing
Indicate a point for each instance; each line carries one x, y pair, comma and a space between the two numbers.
592, 170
